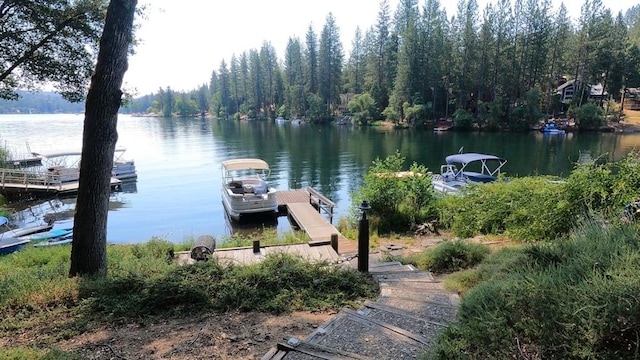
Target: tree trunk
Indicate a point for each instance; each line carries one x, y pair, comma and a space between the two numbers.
88, 251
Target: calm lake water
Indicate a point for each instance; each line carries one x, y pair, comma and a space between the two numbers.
177, 193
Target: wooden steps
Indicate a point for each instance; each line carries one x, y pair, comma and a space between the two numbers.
401, 324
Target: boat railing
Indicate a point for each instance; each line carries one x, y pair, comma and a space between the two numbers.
29, 178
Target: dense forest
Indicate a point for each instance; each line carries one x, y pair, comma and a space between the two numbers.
495, 67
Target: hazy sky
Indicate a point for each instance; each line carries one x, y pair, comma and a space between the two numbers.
183, 41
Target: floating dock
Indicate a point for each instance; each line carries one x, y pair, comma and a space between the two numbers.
16, 182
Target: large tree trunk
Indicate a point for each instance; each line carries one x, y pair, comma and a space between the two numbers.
88, 251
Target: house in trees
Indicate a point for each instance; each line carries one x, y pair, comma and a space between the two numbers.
343, 107
631, 99
567, 90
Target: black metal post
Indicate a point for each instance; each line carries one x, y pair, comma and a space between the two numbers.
363, 239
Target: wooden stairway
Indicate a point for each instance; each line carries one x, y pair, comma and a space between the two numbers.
401, 324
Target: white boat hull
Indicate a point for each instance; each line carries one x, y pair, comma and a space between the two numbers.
447, 187
245, 189
237, 205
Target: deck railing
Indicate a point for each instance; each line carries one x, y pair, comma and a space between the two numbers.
27, 178
321, 202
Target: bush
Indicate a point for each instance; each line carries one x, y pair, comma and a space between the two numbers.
530, 209
450, 256
570, 299
397, 202
604, 188
463, 120
280, 283
588, 116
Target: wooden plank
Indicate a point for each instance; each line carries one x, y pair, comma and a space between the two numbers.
309, 220
320, 351
284, 197
387, 328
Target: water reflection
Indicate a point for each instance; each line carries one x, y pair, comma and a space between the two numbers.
177, 195
250, 224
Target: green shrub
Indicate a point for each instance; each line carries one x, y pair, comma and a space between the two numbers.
570, 299
531, 209
397, 202
588, 116
449, 256
280, 283
463, 120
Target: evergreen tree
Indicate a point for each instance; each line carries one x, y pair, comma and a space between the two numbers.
224, 90
294, 75
356, 65
168, 102
202, 99
311, 69
330, 64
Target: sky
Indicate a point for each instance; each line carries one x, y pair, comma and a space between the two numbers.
182, 42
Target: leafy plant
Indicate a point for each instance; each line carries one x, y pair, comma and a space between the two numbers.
449, 256
398, 199
588, 116
463, 119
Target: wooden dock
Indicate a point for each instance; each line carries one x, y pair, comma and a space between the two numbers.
15, 182
311, 221
304, 208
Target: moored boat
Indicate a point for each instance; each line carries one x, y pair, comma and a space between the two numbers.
245, 189
552, 129
64, 167
463, 169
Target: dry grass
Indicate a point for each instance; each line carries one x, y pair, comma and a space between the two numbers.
632, 116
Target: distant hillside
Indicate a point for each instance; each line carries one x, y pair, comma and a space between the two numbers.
53, 103
40, 103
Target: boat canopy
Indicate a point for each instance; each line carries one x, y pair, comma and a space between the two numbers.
68, 153
466, 158
487, 172
245, 164
3, 220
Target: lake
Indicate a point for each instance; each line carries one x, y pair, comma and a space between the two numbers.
177, 193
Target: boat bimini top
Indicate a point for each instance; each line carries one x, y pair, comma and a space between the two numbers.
486, 172
245, 164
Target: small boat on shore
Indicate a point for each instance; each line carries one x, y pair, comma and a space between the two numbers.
245, 189
48, 235
57, 241
10, 244
24, 231
463, 169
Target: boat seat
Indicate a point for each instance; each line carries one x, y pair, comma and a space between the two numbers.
255, 186
235, 187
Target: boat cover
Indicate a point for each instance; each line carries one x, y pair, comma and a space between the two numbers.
470, 157
244, 164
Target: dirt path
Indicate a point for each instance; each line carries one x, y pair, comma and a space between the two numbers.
223, 336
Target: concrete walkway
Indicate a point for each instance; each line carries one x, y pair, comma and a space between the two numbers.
401, 324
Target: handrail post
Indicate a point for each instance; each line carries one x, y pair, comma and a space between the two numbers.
334, 242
